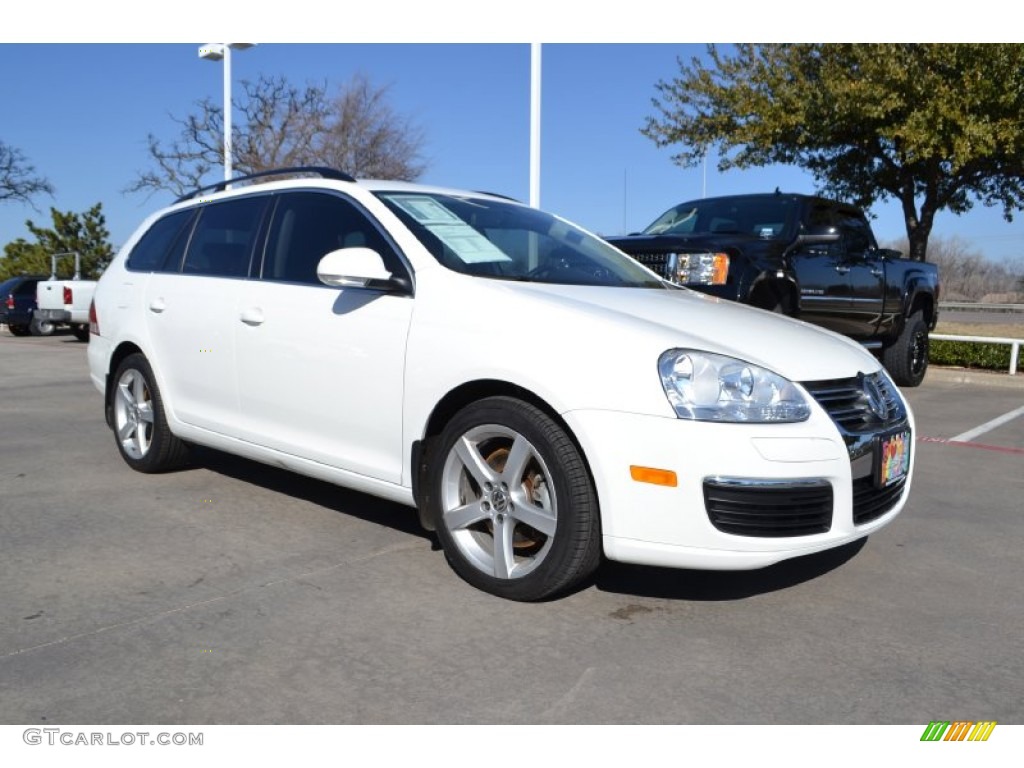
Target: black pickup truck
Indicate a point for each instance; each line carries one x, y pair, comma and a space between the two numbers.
804, 256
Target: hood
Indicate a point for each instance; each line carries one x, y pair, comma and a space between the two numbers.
703, 241
665, 319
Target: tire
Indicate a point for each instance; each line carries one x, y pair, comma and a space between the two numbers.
18, 330
81, 332
40, 327
907, 359
544, 507
140, 425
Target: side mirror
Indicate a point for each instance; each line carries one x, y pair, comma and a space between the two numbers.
358, 268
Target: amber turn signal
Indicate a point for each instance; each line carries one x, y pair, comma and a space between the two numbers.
654, 476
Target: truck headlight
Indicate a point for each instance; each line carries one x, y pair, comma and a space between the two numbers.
698, 268
707, 387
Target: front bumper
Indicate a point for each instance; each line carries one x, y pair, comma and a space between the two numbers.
671, 526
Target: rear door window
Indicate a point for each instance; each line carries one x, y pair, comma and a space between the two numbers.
225, 237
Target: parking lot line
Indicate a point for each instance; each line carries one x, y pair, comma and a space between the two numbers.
966, 437
981, 446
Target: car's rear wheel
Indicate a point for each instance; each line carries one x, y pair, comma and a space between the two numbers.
81, 332
18, 330
140, 425
40, 327
513, 502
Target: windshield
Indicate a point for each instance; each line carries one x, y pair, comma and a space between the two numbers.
508, 241
762, 216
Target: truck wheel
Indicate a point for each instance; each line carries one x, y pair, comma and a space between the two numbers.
512, 501
907, 359
145, 441
81, 332
39, 327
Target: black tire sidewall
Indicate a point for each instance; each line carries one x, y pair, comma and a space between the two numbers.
898, 359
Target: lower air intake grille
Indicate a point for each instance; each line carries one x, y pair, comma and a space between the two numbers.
870, 503
747, 508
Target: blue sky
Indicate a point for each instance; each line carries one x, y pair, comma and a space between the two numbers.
81, 113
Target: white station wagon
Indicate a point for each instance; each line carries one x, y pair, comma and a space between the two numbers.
538, 396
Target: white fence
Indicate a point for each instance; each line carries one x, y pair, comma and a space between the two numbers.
974, 306
1014, 344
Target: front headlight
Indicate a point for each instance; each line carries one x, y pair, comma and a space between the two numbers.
706, 387
698, 268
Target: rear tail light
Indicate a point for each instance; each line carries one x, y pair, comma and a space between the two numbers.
68, 298
10, 301
94, 321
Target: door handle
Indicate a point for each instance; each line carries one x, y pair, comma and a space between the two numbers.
157, 305
877, 272
252, 316
842, 270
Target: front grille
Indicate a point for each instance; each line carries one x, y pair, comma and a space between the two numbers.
656, 262
770, 509
846, 401
870, 502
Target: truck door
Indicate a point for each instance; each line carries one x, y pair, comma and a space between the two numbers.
866, 274
823, 277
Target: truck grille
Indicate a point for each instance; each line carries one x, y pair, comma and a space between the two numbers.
750, 508
656, 262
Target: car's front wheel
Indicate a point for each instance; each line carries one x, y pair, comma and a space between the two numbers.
512, 501
140, 424
907, 359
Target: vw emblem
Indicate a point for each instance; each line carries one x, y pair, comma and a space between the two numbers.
876, 400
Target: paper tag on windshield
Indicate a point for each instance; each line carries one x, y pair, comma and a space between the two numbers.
468, 245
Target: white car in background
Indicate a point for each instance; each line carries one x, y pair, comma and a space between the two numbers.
538, 396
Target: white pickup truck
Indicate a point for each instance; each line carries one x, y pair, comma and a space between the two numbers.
63, 302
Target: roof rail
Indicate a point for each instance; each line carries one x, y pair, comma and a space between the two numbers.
220, 186
498, 194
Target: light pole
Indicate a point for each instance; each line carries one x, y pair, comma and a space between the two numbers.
535, 125
216, 52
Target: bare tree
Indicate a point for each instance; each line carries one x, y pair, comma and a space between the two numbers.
967, 275
355, 130
18, 179
367, 138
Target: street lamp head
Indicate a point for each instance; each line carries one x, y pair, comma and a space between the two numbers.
216, 51
212, 51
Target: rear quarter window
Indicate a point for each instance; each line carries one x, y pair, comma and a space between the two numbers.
163, 245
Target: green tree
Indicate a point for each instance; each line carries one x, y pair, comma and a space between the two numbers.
85, 233
933, 126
